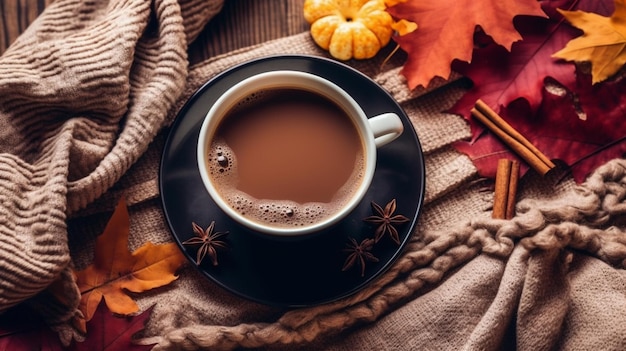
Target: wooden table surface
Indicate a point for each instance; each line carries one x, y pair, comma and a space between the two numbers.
241, 23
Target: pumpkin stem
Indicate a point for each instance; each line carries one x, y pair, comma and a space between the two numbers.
348, 13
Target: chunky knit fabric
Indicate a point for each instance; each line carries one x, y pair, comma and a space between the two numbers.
85, 95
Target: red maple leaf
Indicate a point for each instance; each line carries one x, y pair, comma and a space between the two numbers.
109, 332
446, 29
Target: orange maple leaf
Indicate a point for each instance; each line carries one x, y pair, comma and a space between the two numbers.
603, 42
115, 269
446, 32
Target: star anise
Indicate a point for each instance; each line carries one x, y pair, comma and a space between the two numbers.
208, 242
386, 221
359, 253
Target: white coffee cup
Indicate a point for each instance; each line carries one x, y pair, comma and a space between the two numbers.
375, 132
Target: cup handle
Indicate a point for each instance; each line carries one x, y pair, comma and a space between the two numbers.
386, 128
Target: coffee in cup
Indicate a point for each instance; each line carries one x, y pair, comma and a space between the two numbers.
288, 152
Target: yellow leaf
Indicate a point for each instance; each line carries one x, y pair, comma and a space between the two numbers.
390, 3
116, 270
603, 42
404, 27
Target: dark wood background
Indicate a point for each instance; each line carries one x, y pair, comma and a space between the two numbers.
15, 16
241, 23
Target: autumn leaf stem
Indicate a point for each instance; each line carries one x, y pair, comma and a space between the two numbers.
388, 57
598, 150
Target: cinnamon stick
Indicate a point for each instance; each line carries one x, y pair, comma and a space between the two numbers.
512, 194
500, 195
507, 176
511, 137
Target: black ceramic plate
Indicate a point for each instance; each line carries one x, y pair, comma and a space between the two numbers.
294, 272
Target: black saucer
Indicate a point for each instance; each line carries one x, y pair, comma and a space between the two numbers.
295, 272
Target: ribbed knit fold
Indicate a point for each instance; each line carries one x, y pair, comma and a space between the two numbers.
83, 92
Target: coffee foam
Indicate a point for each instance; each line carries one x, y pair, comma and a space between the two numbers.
252, 98
275, 213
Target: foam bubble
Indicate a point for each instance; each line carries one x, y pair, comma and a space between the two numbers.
252, 98
280, 214
222, 164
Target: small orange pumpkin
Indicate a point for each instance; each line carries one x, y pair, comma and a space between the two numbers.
349, 28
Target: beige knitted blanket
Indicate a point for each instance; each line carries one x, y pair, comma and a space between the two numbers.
86, 95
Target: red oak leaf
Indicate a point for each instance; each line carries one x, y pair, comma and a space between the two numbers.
109, 332
500, 76
485, 153
583, 130
589, 133
516, 79
446, 30
23, 329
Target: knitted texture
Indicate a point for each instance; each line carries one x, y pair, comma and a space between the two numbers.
84, 91
77, 138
